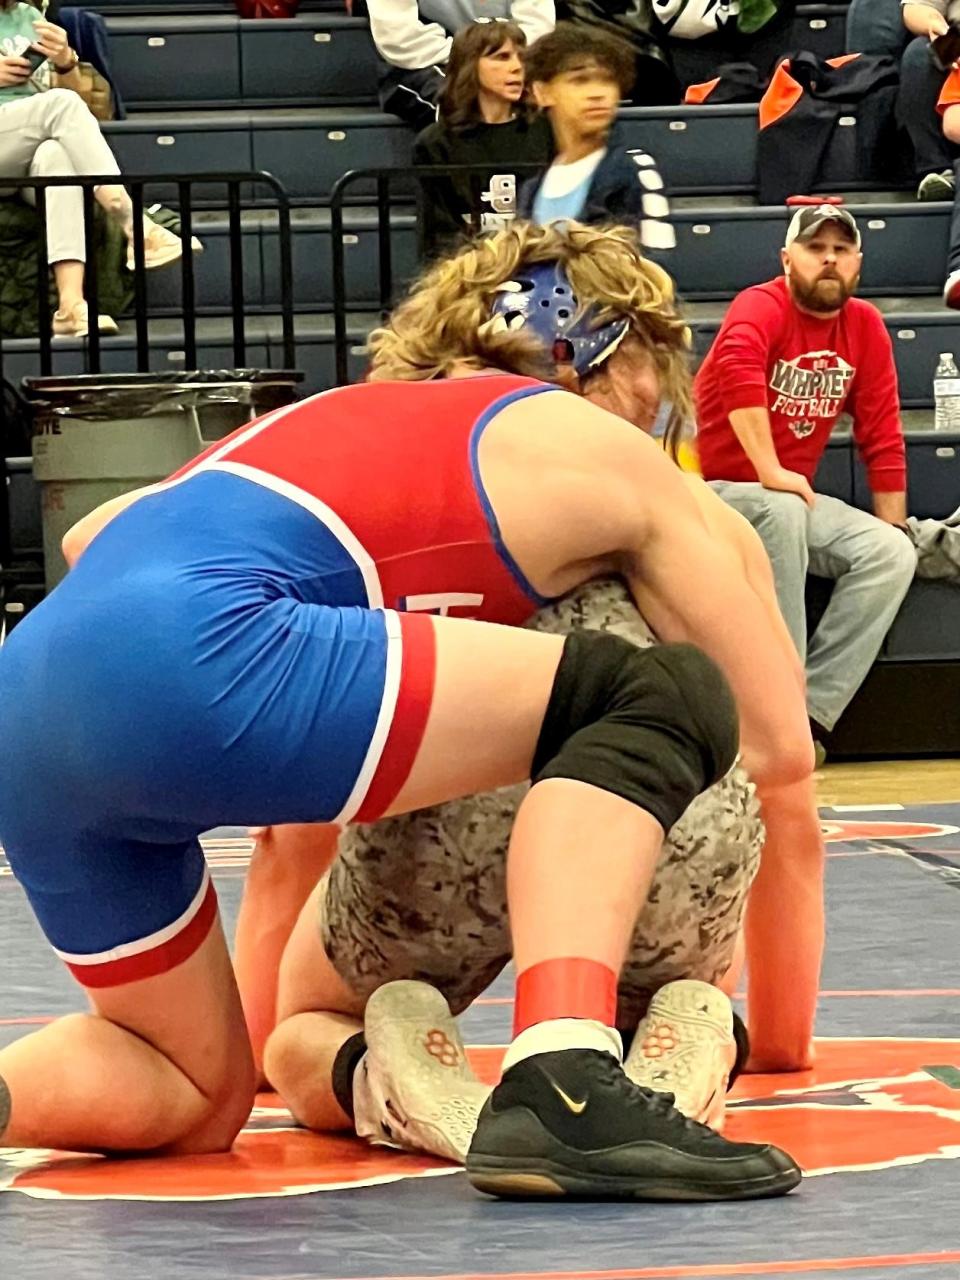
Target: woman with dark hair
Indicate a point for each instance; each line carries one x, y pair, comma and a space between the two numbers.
46, 131
484, 120
414, 39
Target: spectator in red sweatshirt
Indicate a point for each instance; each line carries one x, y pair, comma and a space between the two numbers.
790, 357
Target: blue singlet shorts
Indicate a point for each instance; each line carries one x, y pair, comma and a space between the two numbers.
209, 660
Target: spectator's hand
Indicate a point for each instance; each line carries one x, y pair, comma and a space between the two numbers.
14, 71
939, 26
53, 41
785, 481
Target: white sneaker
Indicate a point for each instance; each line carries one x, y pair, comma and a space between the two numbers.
685, 1046
161, 246
413, 1087
75, 323
937, 186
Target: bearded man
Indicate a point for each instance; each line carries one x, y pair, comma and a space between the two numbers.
791, 356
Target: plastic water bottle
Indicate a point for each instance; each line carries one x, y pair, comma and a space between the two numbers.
946, 394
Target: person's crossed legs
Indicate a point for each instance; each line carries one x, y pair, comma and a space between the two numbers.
54, 134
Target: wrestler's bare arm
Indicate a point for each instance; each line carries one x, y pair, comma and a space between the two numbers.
286, 864
784, 923
784, 946
743, 539
578, 492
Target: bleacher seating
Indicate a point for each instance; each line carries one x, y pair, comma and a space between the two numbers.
821, 28
196, 59
701, 150
208, 92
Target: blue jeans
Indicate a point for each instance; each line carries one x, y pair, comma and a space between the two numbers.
871, 562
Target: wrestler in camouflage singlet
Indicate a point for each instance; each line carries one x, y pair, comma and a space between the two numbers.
424, 895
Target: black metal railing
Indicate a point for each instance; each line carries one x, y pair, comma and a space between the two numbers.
429, 237
234, 183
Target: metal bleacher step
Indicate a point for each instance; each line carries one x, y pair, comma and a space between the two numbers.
724, 247
314, 335
721, 249
312, 258
820, 29
918, 337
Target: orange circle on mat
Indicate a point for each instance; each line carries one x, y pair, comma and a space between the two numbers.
869, 1104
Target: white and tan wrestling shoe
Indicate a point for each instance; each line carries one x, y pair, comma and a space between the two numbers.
686, 1046
414, 1087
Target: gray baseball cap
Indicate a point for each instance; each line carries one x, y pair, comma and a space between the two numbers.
810, 218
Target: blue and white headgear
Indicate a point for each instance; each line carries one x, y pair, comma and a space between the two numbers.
541, 298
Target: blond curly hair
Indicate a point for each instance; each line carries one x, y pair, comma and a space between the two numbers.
445, 319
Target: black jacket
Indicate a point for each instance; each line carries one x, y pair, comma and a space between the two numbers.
617, 194
486, 198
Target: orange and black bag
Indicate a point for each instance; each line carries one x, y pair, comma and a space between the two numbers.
801, 110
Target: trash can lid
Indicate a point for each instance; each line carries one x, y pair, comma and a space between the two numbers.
87, 382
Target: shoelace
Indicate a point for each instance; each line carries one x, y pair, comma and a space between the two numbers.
652, 1100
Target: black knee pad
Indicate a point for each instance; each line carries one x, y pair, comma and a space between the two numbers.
655, 726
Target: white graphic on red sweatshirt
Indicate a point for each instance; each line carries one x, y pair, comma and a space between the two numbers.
809, 387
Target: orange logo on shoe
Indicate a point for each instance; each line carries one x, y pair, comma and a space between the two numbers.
661, 1039
868, 1105
439, 1045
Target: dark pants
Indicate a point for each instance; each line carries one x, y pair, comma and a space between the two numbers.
953, 253
920, 86
411, 95
876, 26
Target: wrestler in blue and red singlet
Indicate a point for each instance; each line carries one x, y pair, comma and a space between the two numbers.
315, 504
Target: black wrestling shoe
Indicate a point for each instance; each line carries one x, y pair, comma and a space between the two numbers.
570, 1123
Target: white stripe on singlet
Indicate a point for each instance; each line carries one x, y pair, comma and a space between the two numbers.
388, 706
310, 502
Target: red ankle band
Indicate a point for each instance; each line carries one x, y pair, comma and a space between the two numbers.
569, 987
